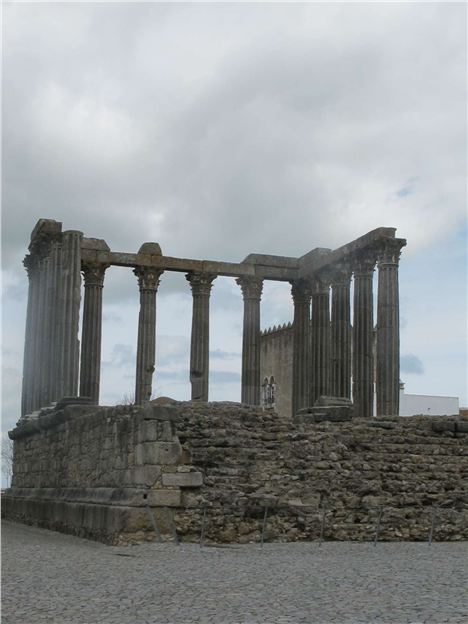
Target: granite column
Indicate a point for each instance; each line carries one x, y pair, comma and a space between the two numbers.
31, 335
90, 370
340, 366
363, 332
200, 284
301, 294
388, 329
69, 314
320, 340
148, 282
252, 292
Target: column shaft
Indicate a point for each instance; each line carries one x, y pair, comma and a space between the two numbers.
252, 292
341, 335
363, 378
301, 294
54, 311
320, 341
68, 323
388, 329
27, 399
90, 371
148, 282
200, 284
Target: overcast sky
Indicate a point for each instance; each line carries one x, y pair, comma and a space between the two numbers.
219, 130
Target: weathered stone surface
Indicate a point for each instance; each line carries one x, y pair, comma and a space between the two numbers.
79, 473
182, 479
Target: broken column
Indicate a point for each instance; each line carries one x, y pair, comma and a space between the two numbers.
340, 361
320, 339
200, 284
363, 329
388, 329
252, 292
301, 294
90, 370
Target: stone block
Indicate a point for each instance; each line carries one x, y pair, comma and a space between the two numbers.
159, 453
164, 498
440, 427
182, 479
462, 426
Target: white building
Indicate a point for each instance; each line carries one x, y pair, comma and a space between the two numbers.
412, 404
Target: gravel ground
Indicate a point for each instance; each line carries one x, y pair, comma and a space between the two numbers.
50, 577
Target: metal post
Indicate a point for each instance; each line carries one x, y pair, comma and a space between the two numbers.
202, 532
431, 532
265, 514
377, 527
322, 525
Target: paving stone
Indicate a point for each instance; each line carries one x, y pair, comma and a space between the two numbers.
60, 579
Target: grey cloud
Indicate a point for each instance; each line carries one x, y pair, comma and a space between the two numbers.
411, 364
271, 121
122, 355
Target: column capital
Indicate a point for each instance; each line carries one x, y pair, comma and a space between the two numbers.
389, 251
301, 291
200, 282
363, 262
251, 287
321, 282
94, 274
148, 278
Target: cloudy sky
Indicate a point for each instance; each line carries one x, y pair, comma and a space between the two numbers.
219, 130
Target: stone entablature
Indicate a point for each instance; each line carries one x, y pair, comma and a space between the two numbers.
52, 351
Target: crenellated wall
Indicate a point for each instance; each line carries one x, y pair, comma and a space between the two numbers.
276, 358
93, 472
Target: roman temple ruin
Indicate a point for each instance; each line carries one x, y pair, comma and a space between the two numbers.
321, 467
322, 338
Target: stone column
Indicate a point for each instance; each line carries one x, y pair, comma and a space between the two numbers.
388, 329
320, 339
38, 363
252, 292
69, 314
148, 282
301, 294
363, 378
340, 366
31, 335
90, 370
200, 284
54, 307
45, 331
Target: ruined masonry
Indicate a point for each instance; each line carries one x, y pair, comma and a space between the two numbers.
125, 473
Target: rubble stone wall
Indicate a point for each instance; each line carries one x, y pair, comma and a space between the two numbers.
96, 471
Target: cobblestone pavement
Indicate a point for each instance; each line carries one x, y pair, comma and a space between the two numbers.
50, 577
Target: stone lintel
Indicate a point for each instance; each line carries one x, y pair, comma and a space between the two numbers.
313, 261
94, 244
186, 265
266, 260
